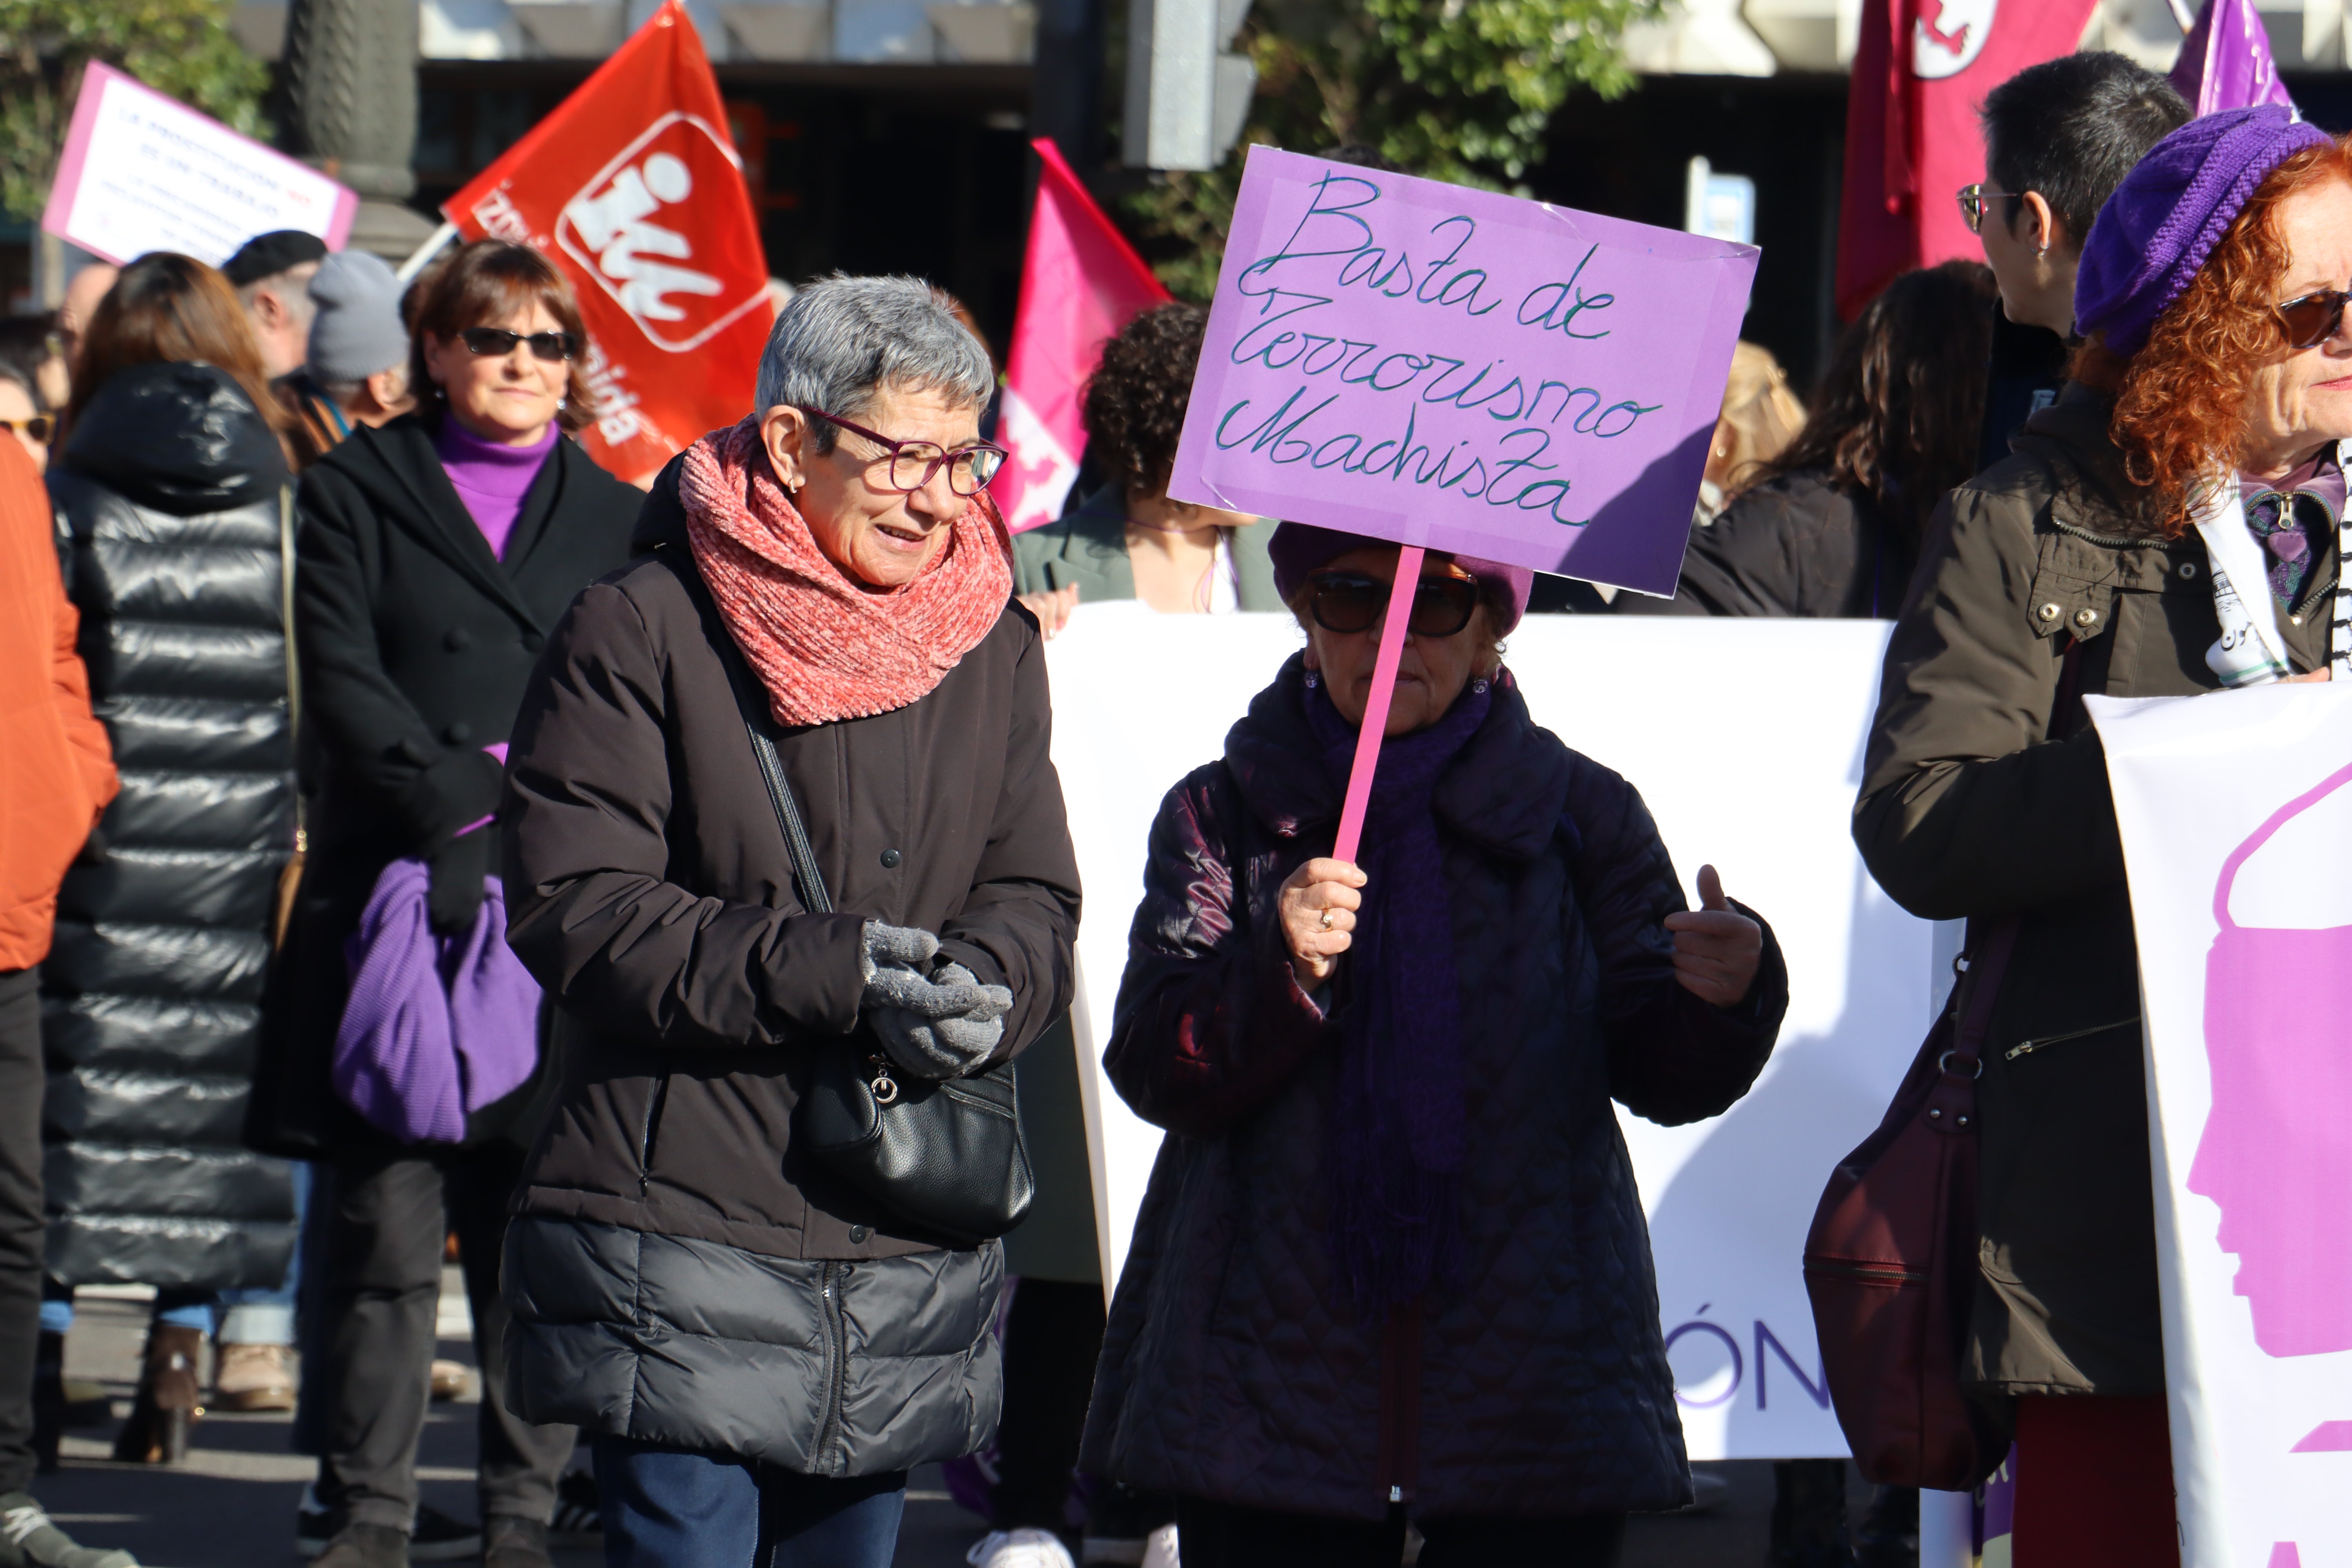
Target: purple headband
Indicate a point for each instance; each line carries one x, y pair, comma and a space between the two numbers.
1298, 548
2171, 210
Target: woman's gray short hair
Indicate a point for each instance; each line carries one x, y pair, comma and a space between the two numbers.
842, 340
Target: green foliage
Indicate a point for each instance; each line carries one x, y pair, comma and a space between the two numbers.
179, 46
1454, 89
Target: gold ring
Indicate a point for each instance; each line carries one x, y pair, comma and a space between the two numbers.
1327, 920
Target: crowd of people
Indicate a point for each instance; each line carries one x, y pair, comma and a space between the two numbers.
420, 842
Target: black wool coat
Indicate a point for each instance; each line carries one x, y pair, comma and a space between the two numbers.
416, 642
170, 499
1532, 1383
679, 1270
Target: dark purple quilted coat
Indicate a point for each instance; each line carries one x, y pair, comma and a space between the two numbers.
1534, 1385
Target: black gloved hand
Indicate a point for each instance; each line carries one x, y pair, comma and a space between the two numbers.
455, 899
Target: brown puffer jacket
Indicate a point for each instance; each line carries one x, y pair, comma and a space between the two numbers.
1530, 1382
1984, 796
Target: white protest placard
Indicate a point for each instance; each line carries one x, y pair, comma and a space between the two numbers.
1753, 768
143, 171
2236, 812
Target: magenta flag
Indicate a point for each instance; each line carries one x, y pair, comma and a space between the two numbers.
2225, 62
1081, 283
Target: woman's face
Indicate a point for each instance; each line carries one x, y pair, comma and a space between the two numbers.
16, 408
509, 398
2304, 399
880, 537
1431, 672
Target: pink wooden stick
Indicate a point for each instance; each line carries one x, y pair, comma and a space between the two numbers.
1376, 705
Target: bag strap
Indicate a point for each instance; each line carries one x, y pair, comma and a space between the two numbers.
751, 703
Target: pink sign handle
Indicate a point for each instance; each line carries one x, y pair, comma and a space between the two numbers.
1376, 706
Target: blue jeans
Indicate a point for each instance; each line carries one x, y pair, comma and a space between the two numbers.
670, 1508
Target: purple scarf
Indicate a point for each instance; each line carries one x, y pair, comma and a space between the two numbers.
437, 1028
1396, 1135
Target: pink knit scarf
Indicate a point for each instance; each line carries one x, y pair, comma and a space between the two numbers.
825, 647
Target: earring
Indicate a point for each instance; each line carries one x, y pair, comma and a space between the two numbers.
1478, 686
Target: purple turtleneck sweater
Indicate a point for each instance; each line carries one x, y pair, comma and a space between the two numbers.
491, 478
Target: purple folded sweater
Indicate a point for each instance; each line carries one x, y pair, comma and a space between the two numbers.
491, 478
437, 1028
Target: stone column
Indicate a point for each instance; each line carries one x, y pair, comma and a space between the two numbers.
351, 111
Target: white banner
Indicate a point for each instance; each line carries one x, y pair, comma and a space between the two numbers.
2237, 831
1745, 738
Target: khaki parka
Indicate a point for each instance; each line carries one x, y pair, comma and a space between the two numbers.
1984, 795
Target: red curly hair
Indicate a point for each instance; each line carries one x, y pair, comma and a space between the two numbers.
2182, 397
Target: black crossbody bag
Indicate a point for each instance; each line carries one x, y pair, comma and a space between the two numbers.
946, 1156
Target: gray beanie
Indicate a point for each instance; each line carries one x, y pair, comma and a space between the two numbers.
357, 330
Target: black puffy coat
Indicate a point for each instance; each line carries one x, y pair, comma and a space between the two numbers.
415, 643
170, 498
680, 1271
1533, 1384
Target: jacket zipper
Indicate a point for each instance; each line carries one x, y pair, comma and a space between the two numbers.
2025, 1048
1867, 1273
836, 1370
1400, 1457
2112, 541
653, 1125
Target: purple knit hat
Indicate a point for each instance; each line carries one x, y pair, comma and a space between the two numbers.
2170, 213
1298, 548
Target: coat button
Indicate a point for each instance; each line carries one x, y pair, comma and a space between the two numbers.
2047, 612
2084, 617
2294, 620
460, 733
2188, 570
857, 1234
532, 642
458, 640
890, 859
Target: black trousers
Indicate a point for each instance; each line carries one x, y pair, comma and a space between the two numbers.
1218, 1535
1053, 1336
21, 1226
383, 1284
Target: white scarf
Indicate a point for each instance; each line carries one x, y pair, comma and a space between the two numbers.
2252, 650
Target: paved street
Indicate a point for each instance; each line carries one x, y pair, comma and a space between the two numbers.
233, 1505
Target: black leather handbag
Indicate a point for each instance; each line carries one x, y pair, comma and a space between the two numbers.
946, 1157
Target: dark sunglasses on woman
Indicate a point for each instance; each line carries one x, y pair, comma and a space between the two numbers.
40, 426
1346, 603
497, 342
2312, 319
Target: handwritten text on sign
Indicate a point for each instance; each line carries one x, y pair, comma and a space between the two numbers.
1463, 370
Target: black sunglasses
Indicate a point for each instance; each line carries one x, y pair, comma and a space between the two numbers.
497, 342
2312, 319
1346, 603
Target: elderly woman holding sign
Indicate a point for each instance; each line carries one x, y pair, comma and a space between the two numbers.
1392, 1264
2171, 525
787, 849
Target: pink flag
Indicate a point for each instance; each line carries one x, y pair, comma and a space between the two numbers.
1081, 283
2226, 62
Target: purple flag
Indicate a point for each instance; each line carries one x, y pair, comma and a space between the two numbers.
2225, 62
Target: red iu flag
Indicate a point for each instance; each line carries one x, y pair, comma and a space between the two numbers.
1082, 282
1921, 69
633, 188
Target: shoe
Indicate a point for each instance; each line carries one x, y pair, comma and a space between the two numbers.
452, 1380
168, 1401
366, 1546
508, 1542
1160, 1549
578, 1511
252, 1377
27, 1540
1021, 1548
435, 1537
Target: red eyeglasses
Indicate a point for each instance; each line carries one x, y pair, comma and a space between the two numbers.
913, 463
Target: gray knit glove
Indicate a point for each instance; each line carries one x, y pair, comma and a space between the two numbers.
933, 1026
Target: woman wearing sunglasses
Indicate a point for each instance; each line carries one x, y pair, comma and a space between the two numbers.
2169, 526
436, 554
1392, 1266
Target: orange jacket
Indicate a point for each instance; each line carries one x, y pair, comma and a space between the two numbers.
56, 771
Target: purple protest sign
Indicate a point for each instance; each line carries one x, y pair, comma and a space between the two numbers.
2225, 62
1462, 370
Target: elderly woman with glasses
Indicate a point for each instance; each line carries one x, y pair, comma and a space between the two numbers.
1392, 1266
2169, 526
436, 554
760, 1342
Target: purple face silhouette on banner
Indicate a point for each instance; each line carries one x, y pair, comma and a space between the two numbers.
2276, 1151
